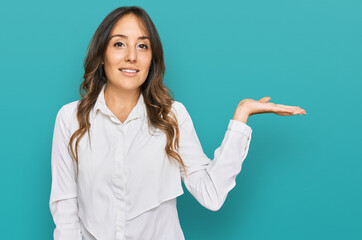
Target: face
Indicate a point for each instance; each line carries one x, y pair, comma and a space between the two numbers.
129, 49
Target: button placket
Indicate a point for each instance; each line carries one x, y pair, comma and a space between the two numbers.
120, 184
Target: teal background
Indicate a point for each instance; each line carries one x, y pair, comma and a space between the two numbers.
302, 176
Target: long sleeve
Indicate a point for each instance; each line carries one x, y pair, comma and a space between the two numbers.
63, 198
210, 181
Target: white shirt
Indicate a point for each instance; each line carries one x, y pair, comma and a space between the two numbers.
127, 186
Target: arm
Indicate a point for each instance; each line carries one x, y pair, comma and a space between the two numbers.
63, 197
210, 181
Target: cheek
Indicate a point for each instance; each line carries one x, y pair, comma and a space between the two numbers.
146, 61
114, 58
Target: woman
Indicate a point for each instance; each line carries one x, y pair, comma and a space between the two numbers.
122, 179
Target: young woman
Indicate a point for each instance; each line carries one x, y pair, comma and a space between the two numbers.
119, 153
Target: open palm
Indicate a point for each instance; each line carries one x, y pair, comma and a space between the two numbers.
264, 106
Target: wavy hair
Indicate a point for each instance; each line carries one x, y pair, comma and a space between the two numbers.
157, 96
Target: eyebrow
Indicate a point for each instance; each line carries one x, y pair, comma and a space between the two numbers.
124, 36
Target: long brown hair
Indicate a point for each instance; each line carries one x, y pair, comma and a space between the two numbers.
156, 95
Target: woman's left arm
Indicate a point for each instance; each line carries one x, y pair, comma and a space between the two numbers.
210, 181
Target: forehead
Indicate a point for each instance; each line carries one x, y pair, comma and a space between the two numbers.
129, 25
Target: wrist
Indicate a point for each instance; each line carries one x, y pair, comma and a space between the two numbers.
241, 114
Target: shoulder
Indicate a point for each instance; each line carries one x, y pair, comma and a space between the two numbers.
68, 108
178, 107
180, 111
67, 111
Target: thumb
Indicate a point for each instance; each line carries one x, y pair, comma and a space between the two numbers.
264, 99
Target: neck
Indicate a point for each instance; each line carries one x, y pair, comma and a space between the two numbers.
119, 98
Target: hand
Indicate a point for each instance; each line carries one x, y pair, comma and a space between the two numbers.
248, 107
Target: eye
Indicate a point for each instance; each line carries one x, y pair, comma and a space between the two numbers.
145, 46
116, 44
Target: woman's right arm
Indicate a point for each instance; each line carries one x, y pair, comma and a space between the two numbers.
63, 197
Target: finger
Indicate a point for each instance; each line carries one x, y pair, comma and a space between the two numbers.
290, 107
264, 99
281, 105
287, 111
283, 110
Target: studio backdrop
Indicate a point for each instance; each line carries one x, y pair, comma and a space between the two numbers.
302, 177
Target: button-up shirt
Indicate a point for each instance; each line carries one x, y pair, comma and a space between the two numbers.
127, 186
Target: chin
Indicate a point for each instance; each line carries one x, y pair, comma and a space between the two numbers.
129, 86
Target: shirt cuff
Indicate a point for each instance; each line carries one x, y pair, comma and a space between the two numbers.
238, 126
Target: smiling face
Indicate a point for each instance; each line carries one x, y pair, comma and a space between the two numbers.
128, 49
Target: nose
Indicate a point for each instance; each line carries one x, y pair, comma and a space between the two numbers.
131, 55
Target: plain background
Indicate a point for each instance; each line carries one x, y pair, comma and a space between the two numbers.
302, 176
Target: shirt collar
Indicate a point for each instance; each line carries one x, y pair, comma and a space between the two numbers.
138, 111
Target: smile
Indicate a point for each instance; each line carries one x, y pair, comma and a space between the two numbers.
128, 70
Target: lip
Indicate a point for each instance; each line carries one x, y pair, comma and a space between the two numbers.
129, 74
131, 68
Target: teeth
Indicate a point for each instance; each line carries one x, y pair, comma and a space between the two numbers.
128, 70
